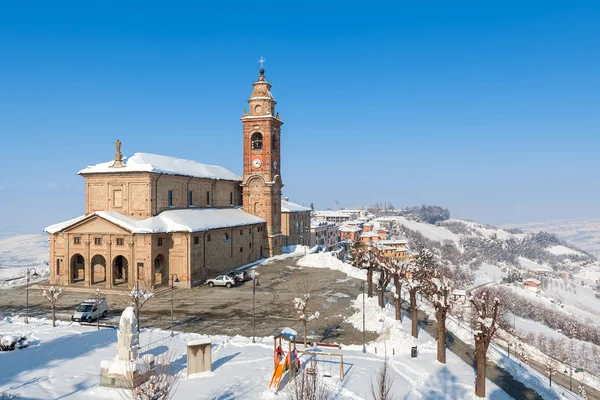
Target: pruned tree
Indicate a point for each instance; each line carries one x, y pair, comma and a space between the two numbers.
385, 276
381, 386
417, 275
581, 391
98, 297
364, 257
398, 270
439, 288
551, 368
486, 315
138, 296
304, 314
52, 294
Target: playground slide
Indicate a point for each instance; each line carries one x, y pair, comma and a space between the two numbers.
278, 374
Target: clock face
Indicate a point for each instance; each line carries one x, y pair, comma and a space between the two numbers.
275, 165
256, 163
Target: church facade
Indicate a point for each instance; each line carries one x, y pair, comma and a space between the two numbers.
152, 217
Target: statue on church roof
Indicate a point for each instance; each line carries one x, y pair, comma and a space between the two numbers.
118, 156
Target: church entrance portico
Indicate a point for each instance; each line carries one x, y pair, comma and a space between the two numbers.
77, 269
120, 271
98, 269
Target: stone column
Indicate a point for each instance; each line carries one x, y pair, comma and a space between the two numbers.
87, 266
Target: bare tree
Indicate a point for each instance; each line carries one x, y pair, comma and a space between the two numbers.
385, 277
139, 295
398, 270
439, 288
417, 275
53, 293
551, 368
364, 257
308, 387
301, 305
98, 297
596, 352
162, 379
486, 315
381, 387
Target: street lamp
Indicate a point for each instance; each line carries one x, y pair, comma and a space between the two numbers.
35, 274
255, 283
362, 287
173, 283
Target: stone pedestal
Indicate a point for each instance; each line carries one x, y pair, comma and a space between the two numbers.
127, 370
199, 356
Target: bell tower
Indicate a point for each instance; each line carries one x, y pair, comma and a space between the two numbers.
261, 184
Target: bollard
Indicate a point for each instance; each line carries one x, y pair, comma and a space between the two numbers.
413, 352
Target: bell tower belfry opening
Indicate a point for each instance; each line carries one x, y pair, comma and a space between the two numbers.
261, 183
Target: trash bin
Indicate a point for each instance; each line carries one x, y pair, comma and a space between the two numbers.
413, 351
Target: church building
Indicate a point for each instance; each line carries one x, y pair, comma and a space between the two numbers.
150, 217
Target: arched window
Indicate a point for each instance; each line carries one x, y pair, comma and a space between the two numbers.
257, 141
226, 236
274, 146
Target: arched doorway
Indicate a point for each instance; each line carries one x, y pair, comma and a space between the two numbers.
120, 270
98, 269
161, 270
77, 268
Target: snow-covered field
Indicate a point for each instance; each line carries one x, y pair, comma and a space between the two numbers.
584, 233
20, 252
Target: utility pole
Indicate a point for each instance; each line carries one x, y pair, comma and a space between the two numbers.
362, 287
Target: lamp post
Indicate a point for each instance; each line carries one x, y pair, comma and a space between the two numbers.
362, 287
173, 283
508, 347
255, 283
35, 274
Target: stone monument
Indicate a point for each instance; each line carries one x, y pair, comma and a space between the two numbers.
127, 370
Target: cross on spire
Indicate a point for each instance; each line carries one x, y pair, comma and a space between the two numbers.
261, 61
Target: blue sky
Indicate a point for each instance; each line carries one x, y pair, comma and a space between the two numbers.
491, 110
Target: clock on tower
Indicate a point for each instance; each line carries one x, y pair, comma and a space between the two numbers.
261, 183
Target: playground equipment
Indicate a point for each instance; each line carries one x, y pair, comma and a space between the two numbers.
284, 360
326, 369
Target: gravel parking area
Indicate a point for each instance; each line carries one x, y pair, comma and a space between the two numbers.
226, 311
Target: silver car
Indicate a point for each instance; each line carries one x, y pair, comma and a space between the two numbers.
221, 280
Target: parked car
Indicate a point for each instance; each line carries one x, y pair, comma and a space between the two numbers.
88, 311
239, 276
221, 280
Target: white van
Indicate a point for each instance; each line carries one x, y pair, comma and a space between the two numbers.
88, 311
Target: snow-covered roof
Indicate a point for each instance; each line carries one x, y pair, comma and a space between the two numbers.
349, 229
191, 220
315, 223
144, 162
393, 242
369, 234
289, 207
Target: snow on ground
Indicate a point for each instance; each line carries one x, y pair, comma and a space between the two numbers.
327, 260
20, 252
432, 232
560, 250
489, 231
532, 265
65, 362
584, 233
488, 273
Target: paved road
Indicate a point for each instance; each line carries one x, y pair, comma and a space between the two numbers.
500, 377
228, 311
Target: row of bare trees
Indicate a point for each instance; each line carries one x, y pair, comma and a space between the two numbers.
424, 275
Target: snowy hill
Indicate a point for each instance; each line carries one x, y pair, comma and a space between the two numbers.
584, 234
20, 252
